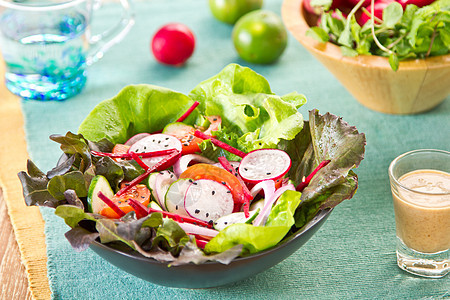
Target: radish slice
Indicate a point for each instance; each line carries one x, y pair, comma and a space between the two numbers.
194, 229
182, 164
155, 142
174, 198
136, 137
262, 217
263, 164
162, 182
237, 217
208, 200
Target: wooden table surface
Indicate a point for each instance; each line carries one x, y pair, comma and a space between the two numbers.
13, 279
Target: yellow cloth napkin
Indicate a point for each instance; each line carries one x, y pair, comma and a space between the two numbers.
26, 221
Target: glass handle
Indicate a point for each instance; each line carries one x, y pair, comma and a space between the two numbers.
100, 43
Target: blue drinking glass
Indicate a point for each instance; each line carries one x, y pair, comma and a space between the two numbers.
47, 45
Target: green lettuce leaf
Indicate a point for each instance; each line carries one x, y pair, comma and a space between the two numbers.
248, 107
34, 186
136, 109
258, 238
72, 144
325, 137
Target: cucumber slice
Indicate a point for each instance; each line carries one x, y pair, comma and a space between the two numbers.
234, 218
155, 205
177, 127
162, 182
208, 200
150, 182
98, 184
259, 204
174, 199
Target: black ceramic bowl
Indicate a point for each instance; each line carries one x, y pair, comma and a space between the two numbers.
209, 274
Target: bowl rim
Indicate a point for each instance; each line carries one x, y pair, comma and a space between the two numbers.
320, 216
293, 15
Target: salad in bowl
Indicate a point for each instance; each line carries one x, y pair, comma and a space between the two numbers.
228, 171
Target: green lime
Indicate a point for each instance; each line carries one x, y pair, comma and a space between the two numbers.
260, 37
229, 11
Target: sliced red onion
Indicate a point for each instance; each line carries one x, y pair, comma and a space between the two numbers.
267, 185
182, 164
264, 214
163, 181
194, 229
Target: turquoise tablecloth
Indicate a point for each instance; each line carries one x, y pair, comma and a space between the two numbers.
351, 256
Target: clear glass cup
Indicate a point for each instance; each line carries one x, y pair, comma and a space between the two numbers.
420, 184
47, 45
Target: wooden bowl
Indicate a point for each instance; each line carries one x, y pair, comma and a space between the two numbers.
417, 86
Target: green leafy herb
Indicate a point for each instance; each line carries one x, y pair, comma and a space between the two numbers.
400, 35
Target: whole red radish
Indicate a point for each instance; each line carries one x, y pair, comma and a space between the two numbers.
340, 4
354, 2
311, 9
419, 3
173, 44
317, 11
379, 6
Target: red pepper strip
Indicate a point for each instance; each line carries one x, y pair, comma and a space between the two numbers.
139, 208
306, 181
246, 207
161, 165
201, 243
181, 219
185, 115
143, 211
134, 182
136, 157
220, 144
188, 112
247, 195
111, 204
129, 155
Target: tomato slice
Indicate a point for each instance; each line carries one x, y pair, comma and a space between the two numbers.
215, 122
138, 192
205, 171
185, 133
120, 149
